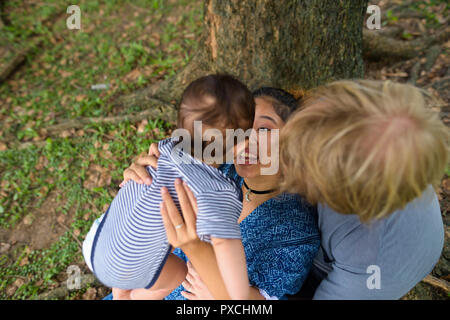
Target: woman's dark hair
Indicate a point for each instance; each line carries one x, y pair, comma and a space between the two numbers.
283, 102
218, 100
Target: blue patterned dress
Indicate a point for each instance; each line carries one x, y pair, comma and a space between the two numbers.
280, 239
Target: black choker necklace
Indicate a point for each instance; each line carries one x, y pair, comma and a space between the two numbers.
247, 194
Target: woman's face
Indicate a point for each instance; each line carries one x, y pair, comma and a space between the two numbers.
266, 120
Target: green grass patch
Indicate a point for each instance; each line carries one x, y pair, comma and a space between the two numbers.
125, 45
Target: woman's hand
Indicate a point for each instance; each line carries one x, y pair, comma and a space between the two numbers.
180, 234
183, 234
137, 172
196, 288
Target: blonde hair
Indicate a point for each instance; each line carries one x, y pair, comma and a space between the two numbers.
366, 147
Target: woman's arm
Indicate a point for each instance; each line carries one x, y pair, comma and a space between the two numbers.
197, 290
200, 253
204, 261
232, 265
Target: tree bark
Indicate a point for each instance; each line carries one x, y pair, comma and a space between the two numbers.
291, 44
298, 44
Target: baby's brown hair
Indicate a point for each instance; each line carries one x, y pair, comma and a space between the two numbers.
218, 100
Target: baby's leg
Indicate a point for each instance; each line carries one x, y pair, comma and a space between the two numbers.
172, 275
230, 257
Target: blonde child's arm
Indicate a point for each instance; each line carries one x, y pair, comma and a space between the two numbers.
230, 257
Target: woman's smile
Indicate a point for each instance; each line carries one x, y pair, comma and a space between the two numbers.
247, 158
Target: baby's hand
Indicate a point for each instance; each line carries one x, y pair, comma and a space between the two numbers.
137, 172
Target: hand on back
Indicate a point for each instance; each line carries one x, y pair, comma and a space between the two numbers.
137, 172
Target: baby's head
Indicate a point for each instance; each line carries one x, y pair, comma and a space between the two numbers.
220, 102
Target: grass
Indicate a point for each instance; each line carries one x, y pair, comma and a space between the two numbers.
123, 44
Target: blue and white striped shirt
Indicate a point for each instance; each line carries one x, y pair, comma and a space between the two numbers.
131, 247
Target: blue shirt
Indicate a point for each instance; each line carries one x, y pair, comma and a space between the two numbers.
381, 260
280, 239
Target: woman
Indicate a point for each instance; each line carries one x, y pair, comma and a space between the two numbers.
279, 230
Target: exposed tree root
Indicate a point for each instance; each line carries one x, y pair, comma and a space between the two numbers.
431, 57
157, 109
20, 57
391, 32
436, 282
63, 291
17, 61
442, 84
379, 47
414, 73
169, 90
4, 21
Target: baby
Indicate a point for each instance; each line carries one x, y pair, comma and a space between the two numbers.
127, 247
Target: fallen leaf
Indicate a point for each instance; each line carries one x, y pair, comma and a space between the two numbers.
90, 294
133, 75
397, 74
4, 247
64, 73
43, 191
80, 97
141, 126
19, 282
446, 185
10, 290
61, 218
106, 154
97, 176
23, 262
28, 220
65, 134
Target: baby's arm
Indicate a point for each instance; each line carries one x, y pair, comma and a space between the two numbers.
230, 257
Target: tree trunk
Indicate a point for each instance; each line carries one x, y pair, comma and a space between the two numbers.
291, 44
